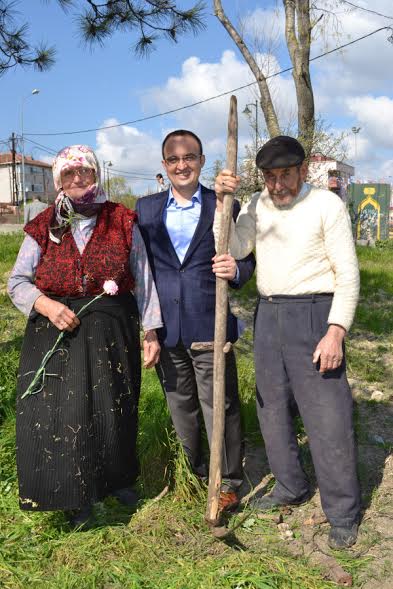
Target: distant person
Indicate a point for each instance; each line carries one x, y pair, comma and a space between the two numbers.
308, 284
161, 183
34, 208
177, 227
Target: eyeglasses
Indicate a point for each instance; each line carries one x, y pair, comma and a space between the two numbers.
190, 158
70, 173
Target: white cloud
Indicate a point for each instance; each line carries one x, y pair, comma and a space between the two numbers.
131, 151
375, 116
199, 80
352, 88
387, 171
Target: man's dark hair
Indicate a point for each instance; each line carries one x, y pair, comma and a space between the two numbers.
181, 133
159, 176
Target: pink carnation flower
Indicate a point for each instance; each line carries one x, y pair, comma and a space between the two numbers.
110, 287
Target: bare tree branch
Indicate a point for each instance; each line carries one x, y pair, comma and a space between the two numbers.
265, 97
298, 36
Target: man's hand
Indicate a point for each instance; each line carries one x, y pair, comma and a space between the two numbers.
151, 349
60, 315
226, 182
224, 266
330, 349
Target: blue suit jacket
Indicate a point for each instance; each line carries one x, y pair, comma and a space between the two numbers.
187, 290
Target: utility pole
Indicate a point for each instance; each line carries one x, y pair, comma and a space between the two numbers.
14, 183
33, 93
44, 186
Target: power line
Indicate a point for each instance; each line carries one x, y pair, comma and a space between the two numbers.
43, 147
135, 176
149, 118
366, 9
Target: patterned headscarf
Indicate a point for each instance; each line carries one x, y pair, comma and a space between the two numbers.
66, 208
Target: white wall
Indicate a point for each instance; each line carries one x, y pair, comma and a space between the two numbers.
5, 188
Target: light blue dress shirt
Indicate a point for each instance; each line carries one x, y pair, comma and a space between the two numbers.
181, 221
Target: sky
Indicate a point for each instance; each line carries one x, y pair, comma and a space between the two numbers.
89, 88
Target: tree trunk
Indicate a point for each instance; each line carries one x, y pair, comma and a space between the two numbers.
298, 36
220, 335
266, 102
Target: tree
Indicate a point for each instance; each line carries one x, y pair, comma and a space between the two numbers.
150, 19
14, 47
300, 20
118, 190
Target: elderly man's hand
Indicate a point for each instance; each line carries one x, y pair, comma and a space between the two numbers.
329, 351
226, 182
224, 266
60, 315
151, 349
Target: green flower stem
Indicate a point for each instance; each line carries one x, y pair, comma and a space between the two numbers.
37, 383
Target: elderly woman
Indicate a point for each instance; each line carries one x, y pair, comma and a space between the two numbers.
76, 434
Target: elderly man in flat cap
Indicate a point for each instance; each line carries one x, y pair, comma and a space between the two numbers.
308, 284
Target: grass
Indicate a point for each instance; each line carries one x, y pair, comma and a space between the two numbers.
165, 544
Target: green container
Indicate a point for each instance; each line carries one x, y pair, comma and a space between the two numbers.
369, 210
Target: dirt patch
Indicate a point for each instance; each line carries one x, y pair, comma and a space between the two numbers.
306, 528
303, 531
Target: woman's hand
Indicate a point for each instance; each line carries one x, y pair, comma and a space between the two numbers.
60, 315
224, 266
151, 349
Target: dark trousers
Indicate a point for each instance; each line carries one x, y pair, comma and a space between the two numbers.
186, 376
287, 331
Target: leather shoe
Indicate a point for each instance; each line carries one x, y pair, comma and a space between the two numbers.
270, 502
343, 536
126, 496
228, 501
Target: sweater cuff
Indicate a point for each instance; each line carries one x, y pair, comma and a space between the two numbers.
339, 319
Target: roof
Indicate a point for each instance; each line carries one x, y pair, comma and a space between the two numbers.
6, 158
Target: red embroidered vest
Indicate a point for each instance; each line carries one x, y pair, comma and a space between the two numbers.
63, 271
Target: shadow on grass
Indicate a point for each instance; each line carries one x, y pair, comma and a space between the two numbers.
374, 433
9, 362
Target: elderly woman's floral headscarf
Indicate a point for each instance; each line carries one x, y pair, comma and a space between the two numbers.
89, 204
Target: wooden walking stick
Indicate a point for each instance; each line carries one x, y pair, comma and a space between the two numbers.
220, 345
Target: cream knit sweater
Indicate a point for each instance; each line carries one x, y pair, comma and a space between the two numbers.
305, 249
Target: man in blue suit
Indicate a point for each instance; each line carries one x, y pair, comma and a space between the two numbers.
176, 226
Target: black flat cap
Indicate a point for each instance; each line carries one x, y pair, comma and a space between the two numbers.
280, 152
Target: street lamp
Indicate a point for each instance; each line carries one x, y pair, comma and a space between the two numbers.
247, 112
355, 131
108, 164
33, 93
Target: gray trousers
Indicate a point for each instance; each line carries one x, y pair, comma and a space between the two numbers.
287, 330
186, 376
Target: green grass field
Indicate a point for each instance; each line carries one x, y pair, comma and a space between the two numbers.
165, 544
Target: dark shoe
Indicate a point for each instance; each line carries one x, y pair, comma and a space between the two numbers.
228, 501
342, 536
79, 517
270, 502
126, 496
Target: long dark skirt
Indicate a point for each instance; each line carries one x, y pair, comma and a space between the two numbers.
76, 439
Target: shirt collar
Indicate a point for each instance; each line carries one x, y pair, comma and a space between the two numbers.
197, 196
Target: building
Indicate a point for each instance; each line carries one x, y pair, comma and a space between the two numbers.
38, 179
329, 173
